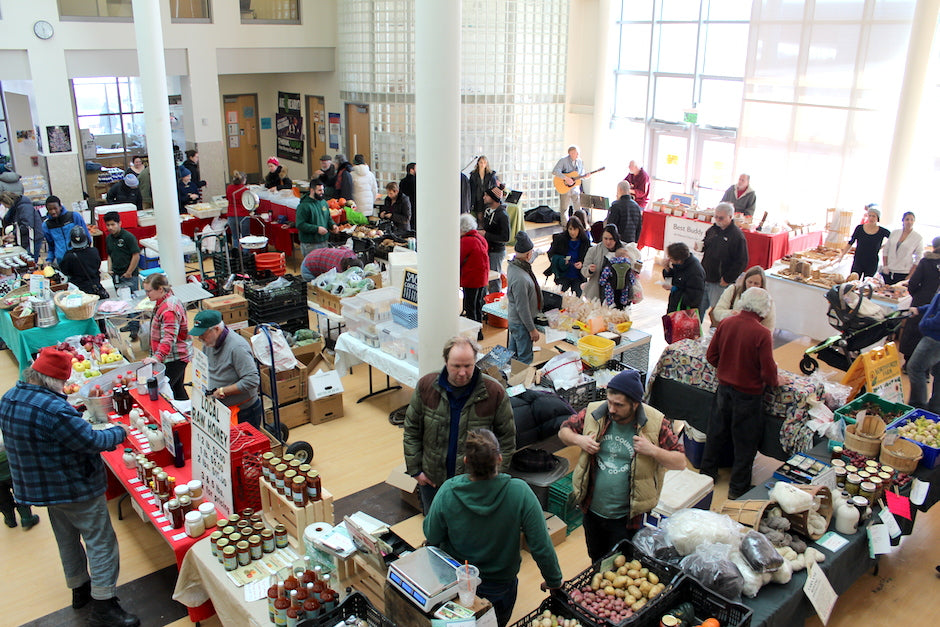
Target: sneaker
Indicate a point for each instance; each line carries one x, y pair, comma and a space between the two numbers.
109, 613
81, 595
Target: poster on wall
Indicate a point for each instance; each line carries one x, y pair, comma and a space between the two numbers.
334, 131
59, 138
288, 125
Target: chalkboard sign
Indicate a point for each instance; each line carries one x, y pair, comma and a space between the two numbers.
409, 286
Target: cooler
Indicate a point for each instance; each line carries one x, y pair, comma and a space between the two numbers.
682, 489
127, 210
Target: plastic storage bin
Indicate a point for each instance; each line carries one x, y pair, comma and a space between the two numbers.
377, 304
930, 454
392, 339
127, 210
848, 411
595, 351
682, 489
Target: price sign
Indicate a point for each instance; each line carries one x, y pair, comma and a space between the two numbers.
409, 286
212, 462
819, 592
167, 426
200, 369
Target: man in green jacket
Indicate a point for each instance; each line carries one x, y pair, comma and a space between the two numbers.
479, 518
313, 221
443, 408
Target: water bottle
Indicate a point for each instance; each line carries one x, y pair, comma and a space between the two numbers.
152, 390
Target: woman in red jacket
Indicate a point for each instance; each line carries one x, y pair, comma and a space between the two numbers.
474, 268
237, 215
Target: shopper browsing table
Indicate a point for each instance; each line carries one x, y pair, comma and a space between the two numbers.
169, 333
626, 448
724, 254
903, 251
525, 299
55, 462
868, 239
730, 302
687, 279
922, 285
594, 261
314, 223
926, 358
479, 518
566, 256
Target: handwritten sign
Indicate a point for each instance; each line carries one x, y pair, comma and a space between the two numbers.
819, 592
212, 462
409, 286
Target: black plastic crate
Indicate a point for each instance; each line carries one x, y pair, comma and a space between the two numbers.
667, 574
707, 604
356, 604
292, 294
277, 311
290, 324
553, 604
227, 262
580, 396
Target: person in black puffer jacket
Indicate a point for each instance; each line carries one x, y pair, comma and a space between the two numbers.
21, 214
688, 279
82, 263
922, 284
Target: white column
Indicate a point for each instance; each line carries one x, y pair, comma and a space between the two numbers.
897, 193
437, 109
148, 26
603, 183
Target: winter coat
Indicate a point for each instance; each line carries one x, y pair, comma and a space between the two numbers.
29, 224
595, 256
688, 285
626, 214
478, 186
277, 179
121, 193
312, 214
725, 253
746, 204
400, 208
57, 231
495, 225
474, 261
344, 181
523, 294
365, 189
559, 248
10, 182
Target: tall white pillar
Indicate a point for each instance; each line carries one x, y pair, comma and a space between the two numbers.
148, 26
604, 183
897, 187
437, 109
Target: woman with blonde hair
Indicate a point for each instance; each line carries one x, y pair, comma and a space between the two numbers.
481, 179
730, 302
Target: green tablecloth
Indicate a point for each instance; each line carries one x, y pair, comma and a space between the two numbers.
25, 343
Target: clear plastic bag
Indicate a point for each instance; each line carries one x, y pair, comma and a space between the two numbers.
760, 553
277, 350
691, 528
710, 564
654, 542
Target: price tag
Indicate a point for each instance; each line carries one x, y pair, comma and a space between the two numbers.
141, 488
879, 542
167, 528
919, 490
178, 537
134, 480
152, 501
819, 592
832, 541
894, 529
160, 519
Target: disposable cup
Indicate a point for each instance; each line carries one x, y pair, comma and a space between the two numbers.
468, 577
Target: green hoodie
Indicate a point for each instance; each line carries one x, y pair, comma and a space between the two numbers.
480, 522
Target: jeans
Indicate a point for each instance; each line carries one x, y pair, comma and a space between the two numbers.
306, 247
427, 494
132, 283
175, 370
87, 521
496, 264
520, 342
473, 303
502, 596
926, 358
251, 414
601, 534
736, 419
710, 297
239, 228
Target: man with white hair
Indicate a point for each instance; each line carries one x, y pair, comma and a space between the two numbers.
564, 169
742, 196
626, 214
724, 255
640, 181
743, 352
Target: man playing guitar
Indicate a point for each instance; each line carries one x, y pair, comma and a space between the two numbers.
568, 173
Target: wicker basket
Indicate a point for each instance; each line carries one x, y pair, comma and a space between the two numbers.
749, 513
903, 455
869, 447
800, 522
20, 321
81, 312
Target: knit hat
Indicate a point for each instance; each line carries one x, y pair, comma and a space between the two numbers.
184, 172
629, 383
523, 242
273, 161
53, 363
131, 180
205, 320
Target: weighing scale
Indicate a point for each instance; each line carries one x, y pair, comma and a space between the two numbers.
426, 576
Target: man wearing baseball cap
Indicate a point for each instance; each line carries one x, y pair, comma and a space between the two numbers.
55, 462
233, 375
626, 448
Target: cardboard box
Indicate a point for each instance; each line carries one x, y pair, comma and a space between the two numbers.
326, 409
291, 415
291, 384
225, 303
407, 484
323, 384
521, 374
557, 530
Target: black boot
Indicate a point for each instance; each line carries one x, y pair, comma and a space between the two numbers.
9, 518
108, 613
81, 595
27, 518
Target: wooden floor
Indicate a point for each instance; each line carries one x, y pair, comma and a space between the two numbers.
359, 450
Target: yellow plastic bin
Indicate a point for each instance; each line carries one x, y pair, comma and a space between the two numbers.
595, 351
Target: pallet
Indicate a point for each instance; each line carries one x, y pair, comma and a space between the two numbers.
355, 572
279, 510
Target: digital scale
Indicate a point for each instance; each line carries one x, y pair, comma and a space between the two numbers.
426, 576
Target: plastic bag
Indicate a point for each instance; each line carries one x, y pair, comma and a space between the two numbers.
792, 500
691, 528
654, 542
752, 579
283, 357
760, 553
710, 564
562, 368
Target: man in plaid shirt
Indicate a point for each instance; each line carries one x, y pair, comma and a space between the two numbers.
55, 461
320, 260
626, 448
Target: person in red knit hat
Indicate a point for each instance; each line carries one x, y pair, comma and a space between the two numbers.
55, 463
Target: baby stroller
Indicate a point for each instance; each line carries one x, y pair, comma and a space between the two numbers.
860, 322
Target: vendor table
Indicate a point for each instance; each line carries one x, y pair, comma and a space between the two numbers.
350, 352
280, 236
802, 308
334, 321
25, 343
763, 248
683, 384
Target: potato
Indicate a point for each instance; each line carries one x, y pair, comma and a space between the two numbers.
609, 590
653, 578
619, 561
620, 582
636, 565
629, 600
645, 587
610, 575
596, 581
654, 592
636, 607
644, 572
633, 573
620, 592
634, 591
622, 570
546, 622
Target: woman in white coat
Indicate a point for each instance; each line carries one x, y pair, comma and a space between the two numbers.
594, 260
365, 187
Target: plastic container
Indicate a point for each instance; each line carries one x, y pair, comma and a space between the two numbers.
848, 411
707, 604
492, 319
561, 504
356, 604
392, 339
595, 351
683, 489
930, 454
554, 605
127, 210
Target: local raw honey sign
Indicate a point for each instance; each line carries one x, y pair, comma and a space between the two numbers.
212, 459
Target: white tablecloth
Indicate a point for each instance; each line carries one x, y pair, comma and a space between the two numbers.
350, 352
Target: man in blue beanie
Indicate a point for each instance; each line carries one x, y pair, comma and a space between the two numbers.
626, 448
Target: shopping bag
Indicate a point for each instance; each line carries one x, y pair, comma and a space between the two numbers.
682, 325
277, 350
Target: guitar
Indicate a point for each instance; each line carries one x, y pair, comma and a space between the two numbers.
562, 188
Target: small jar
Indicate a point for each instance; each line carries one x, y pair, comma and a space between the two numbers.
279, 477
209, 515
160, 483
879, 488
243, 552
852, 484
130, 460
287, 459
181, 490
235, 538
254, 546
314, 486
864, 474
272, 468
242, 525
256, 518
841, 474
851, 469
837, 453
186, 504
295, 464
267, 541
288, 482
304, 469
861, 503
148, 472
233, 519
872, 465
228, 529
247, 513
194, 526
885, 479
867, 490
299, 491
222, 523
221, 544
214, 542
176, 513
280, 536
257, 528
838, 463
265, 464
229, 558
195, 490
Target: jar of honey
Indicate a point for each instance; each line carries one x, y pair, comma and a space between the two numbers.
229, 558
267, 541
280, 536
254, 546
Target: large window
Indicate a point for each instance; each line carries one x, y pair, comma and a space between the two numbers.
112, 111
254, 11
95, 8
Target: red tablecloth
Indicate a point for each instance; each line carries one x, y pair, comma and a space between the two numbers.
763, 249
279, 237
187, 227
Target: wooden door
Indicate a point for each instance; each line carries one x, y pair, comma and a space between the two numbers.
316, 131
242, 139
357, 131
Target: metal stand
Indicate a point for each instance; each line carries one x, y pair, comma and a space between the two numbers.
373, 392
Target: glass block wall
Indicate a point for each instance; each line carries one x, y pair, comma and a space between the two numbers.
513, 55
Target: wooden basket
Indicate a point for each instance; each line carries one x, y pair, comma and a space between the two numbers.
903, 455
20, 321
749, 513
800, 522
869, 447
81, 312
